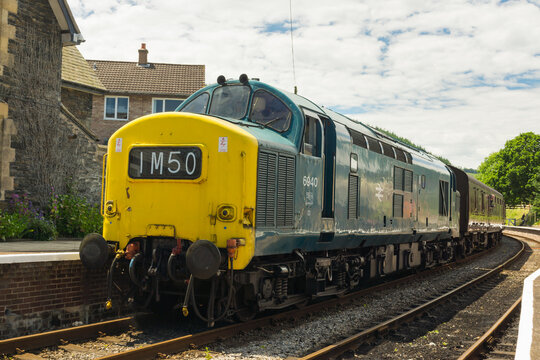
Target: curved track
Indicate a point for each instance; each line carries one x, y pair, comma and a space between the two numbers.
175, 345
353, 342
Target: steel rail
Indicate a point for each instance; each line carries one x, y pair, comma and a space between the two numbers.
41, 340
206, 337
51, 338
352, 342
480, 346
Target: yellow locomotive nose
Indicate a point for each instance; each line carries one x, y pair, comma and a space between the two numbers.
182, 176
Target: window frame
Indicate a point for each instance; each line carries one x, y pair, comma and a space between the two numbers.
318, 136
250, 110
185, 105
164, 99
212, 99
115, 108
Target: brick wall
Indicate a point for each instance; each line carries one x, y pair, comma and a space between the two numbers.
139, 105
43, 296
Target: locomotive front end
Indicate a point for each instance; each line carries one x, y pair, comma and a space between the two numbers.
178, 199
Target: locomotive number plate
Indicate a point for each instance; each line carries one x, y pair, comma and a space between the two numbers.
179, 162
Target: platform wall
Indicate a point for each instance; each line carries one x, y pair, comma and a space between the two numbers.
38, 296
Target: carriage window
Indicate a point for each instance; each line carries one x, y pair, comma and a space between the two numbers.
197, 105
230, 101
268, 110
312, 137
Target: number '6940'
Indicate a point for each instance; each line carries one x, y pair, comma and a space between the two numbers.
310, 181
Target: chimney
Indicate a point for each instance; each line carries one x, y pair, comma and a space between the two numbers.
143, 55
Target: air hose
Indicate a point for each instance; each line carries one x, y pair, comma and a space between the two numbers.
108, 304
132, 270
209, 320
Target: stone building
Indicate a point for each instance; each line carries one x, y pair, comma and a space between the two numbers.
139, 88
79, 85
43, 145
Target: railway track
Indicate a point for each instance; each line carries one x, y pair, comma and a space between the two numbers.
149, 351
499, 341
411, 316
494, 344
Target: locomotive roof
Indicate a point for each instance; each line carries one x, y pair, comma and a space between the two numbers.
357, 125
418, 156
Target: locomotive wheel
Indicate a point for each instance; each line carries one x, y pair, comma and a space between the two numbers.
302, 304
246, 313
245, 304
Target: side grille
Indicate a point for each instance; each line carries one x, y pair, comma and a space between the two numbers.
374, 144
275, 190
388, 150
398, 178
400, 155
398, 206
358, 138
353, 197
285, 196
408, 181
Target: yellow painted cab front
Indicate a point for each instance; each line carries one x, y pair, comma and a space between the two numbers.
183, 176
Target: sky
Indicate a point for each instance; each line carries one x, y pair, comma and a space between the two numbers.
459, 78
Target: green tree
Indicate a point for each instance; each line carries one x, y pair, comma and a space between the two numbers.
514, 171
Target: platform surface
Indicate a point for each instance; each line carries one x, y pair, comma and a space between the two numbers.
38, 251
528, 345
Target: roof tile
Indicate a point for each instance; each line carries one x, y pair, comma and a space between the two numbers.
157, 78
75, 69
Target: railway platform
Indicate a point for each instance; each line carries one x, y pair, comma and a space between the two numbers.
528, 343
39, 251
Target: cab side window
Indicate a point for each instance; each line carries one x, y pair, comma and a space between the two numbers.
268, 110
312, 137
197, 105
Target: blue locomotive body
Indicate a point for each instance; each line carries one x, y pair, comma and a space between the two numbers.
327, 182
333, 203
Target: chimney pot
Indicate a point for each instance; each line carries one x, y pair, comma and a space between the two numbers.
143, 55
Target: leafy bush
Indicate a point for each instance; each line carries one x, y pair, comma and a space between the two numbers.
74, 216
69, 215
24, 220
40, 229
12, 226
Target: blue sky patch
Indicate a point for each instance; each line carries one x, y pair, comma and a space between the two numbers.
350, 109
277, 27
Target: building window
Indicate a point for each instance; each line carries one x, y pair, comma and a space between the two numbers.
161, 105
116, 108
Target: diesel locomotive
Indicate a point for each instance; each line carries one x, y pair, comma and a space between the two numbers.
249, 198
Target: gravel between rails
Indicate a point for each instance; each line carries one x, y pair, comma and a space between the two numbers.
295, 338
450, 339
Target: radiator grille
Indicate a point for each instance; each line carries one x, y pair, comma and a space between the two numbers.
408, 180
358, 138
398, 206
275, 190
353, 197
285, 198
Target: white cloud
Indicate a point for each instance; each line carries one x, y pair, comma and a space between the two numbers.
435, 72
